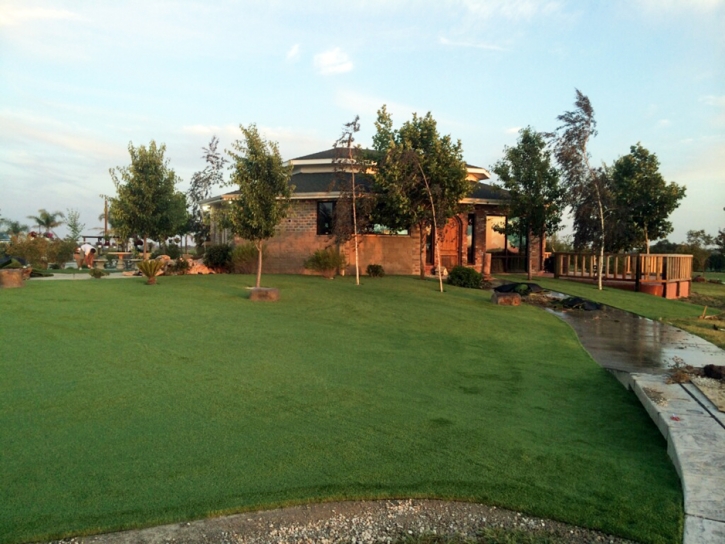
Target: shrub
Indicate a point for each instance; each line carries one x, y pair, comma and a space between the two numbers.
218, 257
41, 251
97, 273
150, 269
326, 261
375, 271
180, 266
462, 276
172, 250
244, 258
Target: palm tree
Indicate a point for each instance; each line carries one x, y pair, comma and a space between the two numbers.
46, 220
14, 228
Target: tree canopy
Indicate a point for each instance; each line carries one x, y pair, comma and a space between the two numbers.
264, 189
587, 188
147, 203
535, 196
46, 220
644, 200
200, 189
420, 177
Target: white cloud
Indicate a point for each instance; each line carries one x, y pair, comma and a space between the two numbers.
481, 45
712, 100
12, 15
294, 52
675, 6
512, 130
333, 61
663, 123
515, 10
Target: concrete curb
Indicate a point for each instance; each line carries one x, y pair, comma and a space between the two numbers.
695, 434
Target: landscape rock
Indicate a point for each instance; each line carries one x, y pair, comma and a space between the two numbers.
264, 293
506, 299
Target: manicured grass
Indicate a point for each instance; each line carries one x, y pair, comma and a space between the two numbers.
684, 313
125, 405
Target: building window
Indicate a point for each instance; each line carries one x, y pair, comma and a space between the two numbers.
325, 215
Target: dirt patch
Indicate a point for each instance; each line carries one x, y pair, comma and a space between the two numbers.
655, 396
365, 522
712, 389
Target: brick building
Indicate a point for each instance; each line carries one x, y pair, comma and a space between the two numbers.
308, 226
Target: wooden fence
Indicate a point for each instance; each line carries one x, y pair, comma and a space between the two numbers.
638, 268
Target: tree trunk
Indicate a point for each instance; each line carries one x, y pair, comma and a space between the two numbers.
354, 231
646, 241
601, 241
145, 247
258, 245
438, 258
421, 230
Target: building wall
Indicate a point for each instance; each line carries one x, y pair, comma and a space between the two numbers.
297, 239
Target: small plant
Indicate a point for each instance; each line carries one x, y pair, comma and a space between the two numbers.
150, 269
97, 273
325, 261
244, 258
218, 257
375, 271
462, 276
180, 266
172, 250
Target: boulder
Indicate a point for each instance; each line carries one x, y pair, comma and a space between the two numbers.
506, 299
714, 371
11, 277
264, 293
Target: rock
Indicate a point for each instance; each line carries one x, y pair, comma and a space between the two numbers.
198, 267
714, 371
506, 299
11, 277
264, 293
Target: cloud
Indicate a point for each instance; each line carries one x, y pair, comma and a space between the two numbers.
294, 52
676, 6
333, 61
712, 100
12, 15
489, 47
515, 10
512, 130
663, 123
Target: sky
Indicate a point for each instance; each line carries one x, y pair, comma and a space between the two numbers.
82, 80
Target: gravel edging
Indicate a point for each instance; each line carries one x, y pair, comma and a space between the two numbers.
360, 522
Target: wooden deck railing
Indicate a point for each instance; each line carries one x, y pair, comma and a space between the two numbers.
635, 267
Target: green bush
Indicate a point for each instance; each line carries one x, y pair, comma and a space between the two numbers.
172, 250
244, 258
41, 251
218, 257
180, 266
375, 271
462, 276
325, 260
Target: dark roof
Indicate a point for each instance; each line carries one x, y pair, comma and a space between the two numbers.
485, 191
322, 182
333, 153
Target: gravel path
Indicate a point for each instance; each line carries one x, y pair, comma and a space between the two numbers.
360, 522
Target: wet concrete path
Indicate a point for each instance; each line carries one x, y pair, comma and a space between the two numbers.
619, 340
639, 351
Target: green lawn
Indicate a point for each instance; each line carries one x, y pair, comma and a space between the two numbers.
126, 405
683, 313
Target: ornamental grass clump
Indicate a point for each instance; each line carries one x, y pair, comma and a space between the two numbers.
97, 273
150, 269
325, 261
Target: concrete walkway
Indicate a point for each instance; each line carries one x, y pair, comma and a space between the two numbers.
638, 352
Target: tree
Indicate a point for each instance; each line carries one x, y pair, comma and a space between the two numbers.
535, 195
200, 189
264, 189
349, 162
587, 188
75, 227
14, 228
697, 245
147, 203
47, 221
420, 177
643, 198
